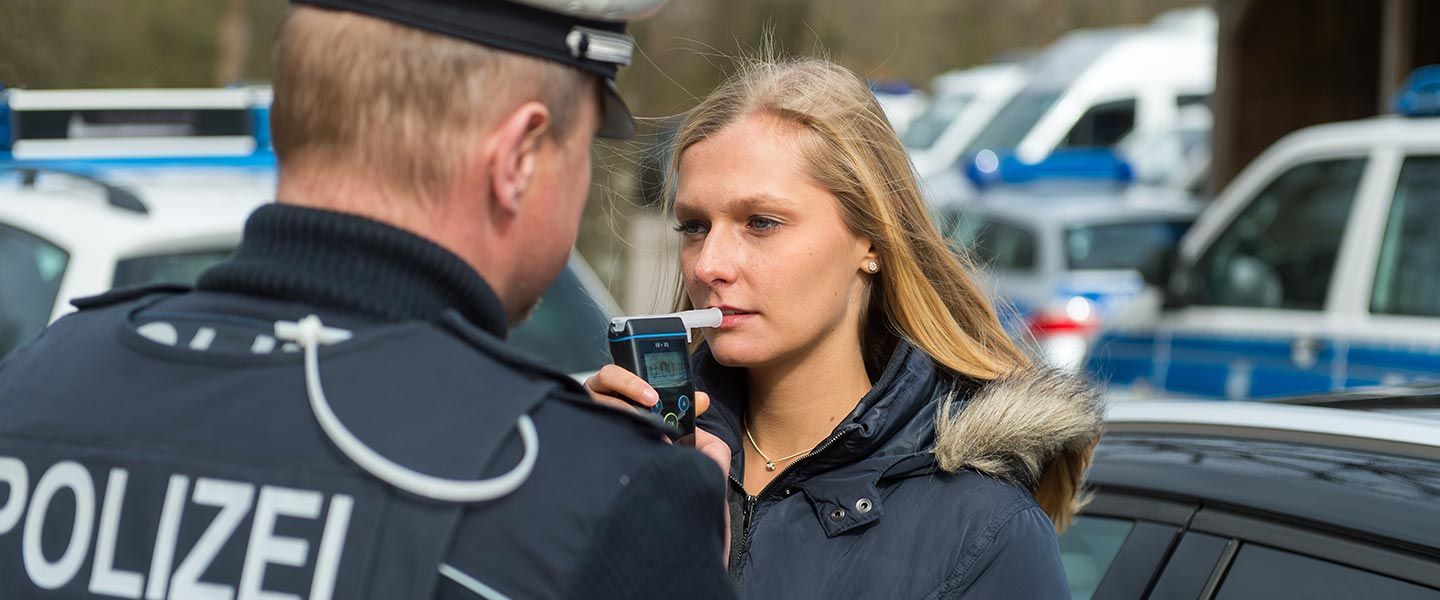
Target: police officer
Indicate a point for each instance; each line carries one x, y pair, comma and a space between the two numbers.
332, 412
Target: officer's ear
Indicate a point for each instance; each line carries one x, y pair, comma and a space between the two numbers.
515, 147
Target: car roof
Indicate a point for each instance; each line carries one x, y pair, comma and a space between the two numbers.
72, 212
976, 79
1083, 202
1367, 475
1363, 132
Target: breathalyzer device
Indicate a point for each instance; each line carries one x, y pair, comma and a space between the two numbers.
656, 347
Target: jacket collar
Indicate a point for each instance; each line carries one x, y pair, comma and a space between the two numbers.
353, 264
894, 419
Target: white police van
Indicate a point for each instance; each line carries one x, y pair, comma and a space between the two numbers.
965, 100
1318, 268
110, 188
1094, 88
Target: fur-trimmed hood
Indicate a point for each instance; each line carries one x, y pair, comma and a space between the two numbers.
1036, 427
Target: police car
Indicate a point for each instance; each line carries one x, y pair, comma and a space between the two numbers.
1062, 262
111, 188
1062, 245
1319, 498
1318, 268
902, 103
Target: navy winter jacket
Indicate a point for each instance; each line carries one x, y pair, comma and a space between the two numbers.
874, 512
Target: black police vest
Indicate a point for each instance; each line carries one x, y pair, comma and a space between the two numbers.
145, 452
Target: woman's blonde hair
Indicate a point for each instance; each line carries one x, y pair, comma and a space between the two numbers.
924, 292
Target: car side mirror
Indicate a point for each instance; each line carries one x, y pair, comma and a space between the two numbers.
1178, 286
1158, 269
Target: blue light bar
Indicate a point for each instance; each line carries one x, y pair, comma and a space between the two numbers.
1419, 96
6, 142
260, 123
260, 160
892, 87
989, 168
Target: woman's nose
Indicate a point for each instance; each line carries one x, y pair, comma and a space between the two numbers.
715, 260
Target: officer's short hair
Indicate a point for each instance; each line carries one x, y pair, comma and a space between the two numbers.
394, 101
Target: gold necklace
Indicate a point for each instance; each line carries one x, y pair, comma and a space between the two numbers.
769, 463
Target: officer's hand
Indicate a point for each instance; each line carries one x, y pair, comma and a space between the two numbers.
614, 386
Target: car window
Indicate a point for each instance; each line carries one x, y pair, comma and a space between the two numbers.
1121, 245
1103, 125
1184, 100
1407, 278
995, 245
567, 330
30, 273
1087, 548
1261, 572
137, 123
1012, 123
926, 128
181, 268
1280, 251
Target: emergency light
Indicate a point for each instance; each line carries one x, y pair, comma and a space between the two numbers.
1419, 96
989, 168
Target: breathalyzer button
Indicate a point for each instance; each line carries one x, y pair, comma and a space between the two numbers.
656, 408
684, 403
672, 419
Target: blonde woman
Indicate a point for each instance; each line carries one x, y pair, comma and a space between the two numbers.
889, 441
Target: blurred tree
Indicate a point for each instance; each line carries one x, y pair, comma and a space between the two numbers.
137, 43
233, 41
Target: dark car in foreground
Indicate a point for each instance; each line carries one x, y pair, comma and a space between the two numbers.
1339, 498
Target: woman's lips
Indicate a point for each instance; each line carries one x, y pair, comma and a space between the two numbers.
733, 320
733, 316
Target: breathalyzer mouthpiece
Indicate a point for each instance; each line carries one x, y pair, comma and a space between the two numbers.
693, 319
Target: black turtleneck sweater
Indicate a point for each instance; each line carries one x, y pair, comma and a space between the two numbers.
353, 264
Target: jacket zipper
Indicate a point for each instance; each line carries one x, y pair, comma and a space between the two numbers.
748, 514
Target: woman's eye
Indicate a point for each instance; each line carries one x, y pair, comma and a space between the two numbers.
763, 223
690, 227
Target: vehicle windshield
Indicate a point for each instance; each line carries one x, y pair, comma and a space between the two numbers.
1120, 246
1012, 123
30, 273
567, 330
1002, 247
928, 127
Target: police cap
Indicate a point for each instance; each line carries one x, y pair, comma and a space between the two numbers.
585, 34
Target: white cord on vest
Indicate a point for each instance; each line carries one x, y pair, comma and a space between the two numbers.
310, 334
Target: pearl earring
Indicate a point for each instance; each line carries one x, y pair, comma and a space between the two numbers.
872, 267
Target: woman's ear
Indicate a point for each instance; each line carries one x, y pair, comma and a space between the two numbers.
871, 261
515, 146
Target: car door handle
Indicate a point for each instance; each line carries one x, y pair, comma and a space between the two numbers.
1305, 352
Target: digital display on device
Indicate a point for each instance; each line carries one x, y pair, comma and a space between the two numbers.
665, 369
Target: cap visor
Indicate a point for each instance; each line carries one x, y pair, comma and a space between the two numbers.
616, 122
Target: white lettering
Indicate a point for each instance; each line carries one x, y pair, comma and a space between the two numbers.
66, 474
337, 523
104, 577
234, 500
165, 538
266, 547
13, 473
